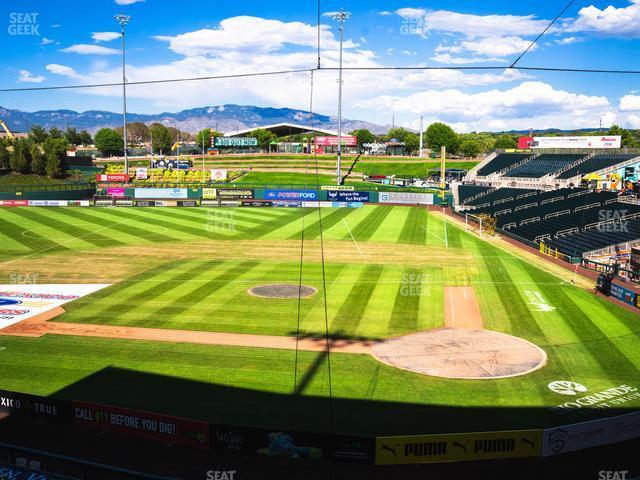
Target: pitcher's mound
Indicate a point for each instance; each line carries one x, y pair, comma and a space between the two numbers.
452, 353
282, 290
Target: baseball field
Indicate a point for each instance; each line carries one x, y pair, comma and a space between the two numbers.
183, 327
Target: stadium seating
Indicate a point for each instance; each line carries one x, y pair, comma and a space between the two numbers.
502, 161
543, 165
466, 192
579, 243
597, 162
500, 196
525, 201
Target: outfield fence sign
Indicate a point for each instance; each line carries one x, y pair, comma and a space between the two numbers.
458, 447
406, 198
353, 196
594, 433
161, 193
291, 195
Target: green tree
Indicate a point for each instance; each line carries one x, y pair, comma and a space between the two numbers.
628, 140
109, 142
5, 156
55, 151
161, 138
38, 134
55, 132
470, 147
438, 135
264, 137
85, 138
20, 160
72, 136
505, 142
364, 136
37, 160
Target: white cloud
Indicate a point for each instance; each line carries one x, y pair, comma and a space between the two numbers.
529, 100
84, 49
65, 71
46, 41
251, 34
472, 25
105, 36
385, 13
128, 2
568, 40
497, 46
26, 77
630, 103
611, 21
633, 121
446, 58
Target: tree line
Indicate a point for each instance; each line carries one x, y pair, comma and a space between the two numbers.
42, 152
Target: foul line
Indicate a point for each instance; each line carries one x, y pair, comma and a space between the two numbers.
353, 238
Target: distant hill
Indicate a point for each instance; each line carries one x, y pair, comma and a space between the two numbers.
224, 118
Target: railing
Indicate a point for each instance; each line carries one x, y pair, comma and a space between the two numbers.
587, 207
52, 187
567, 231
551, 200
524, 207
557, 214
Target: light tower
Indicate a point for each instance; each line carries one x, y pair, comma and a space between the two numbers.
123, 20
340, 17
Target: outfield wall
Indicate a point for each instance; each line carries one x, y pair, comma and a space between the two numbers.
311, 446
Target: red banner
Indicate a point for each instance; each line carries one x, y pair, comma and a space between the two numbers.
14, 203
524, 143
112, 177
348, 140
189, 433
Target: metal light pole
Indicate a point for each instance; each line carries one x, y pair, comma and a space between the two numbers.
123, 20
421, 132
340, 17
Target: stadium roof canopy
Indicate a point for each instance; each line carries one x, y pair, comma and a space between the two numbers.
283, 129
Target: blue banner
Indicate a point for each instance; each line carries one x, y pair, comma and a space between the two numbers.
339, 196
291, 195
623, 294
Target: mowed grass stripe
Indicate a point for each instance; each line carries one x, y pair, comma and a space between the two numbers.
406, 306
34, 241
99, 217
415, 226
197, 296
348, 318
313, 231
293, 215
156, 218
365, 229
62, 226
395, 220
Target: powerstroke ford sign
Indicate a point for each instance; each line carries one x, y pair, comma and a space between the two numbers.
291, 195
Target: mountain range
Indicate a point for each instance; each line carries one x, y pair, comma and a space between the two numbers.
224, 118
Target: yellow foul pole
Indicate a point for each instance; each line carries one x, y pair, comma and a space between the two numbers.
443, 154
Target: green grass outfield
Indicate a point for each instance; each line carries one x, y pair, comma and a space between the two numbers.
386, 269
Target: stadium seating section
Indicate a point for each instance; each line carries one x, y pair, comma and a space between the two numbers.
597, 162
579, 243
467, 192
544, 164
501, 195
502, 161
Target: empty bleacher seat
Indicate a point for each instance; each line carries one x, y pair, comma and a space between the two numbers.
543, 165
502, 161
597, 162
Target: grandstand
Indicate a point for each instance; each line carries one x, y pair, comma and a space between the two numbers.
595, 163
501, 162
577, 244
542, 165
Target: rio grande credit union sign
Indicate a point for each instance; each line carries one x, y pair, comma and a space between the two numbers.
227, 142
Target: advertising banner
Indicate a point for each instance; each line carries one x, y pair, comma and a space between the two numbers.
235, 193
348, 140
19, 302
458, 447
623, 294
406, 198
48, 203
606, 141
524, 143
209, 193
79, 203
187, 203
124, 203
34, 406
595, 433
292, 444
161, 193
292, 195
340, 188
14, 203
112, 177
164, 428
347, 204
218, 175
115, 192
145, 203
141, 173
235, 142
348, 196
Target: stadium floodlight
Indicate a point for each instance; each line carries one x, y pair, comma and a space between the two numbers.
340, 17
123, 19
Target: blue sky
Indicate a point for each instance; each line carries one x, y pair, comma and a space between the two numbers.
73, 42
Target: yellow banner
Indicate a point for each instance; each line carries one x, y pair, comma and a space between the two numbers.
209, 193
175, 146
457, 447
